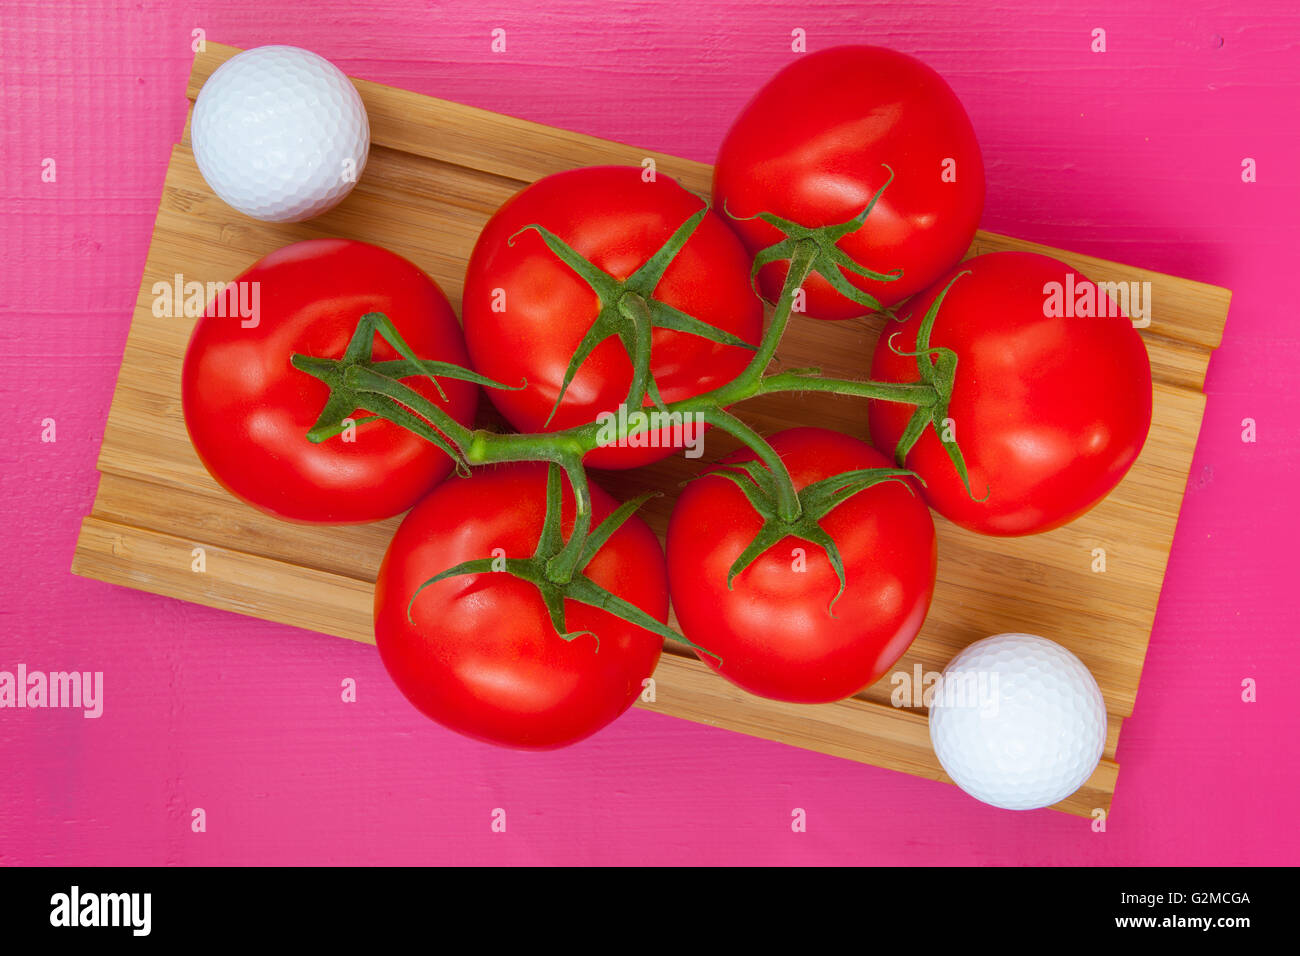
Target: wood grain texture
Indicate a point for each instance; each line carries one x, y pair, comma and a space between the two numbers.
436, 173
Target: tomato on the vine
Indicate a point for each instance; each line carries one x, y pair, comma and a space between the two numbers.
248, 410
479, 653
1051, 402
812, 147
526, 311
779, 630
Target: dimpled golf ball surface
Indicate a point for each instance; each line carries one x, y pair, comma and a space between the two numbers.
1031, 739
280, 133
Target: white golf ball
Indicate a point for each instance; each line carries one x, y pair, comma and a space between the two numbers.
1018, 722
280, 133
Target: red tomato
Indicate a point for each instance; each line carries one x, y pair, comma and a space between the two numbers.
248, 409
482, 657
772, 629
1049, 411
809, 148
526, 311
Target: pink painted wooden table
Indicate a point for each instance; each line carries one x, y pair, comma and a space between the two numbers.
1134, 154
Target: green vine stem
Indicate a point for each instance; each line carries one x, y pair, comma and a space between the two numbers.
630, 312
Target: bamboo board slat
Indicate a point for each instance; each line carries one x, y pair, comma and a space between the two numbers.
437, 171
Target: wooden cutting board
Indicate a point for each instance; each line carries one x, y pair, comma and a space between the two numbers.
437, 171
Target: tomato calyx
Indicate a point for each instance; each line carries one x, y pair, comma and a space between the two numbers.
630, 311
556, 583
938, 369
357, 381
827, 259
816, 500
